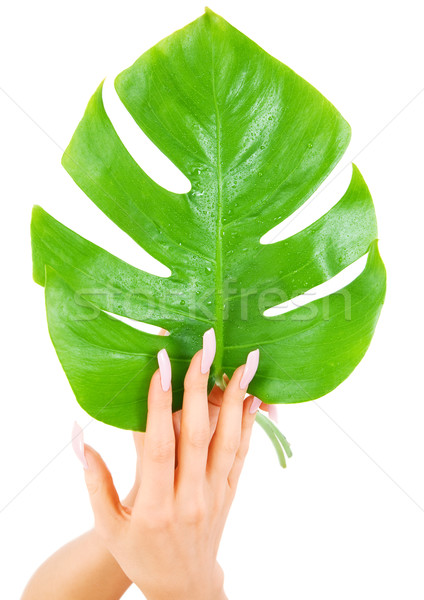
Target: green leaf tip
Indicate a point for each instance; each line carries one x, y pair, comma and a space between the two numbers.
210, 12
216, 20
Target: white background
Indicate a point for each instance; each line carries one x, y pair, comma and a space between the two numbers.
346, 519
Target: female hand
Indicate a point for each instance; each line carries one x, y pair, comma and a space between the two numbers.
168, 542
214, 404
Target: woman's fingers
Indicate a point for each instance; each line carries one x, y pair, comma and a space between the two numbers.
108, 512
272, 411
158, 461
250, 408
227, 437
176, 420
220, 459
214, 402
138, 437
195, 428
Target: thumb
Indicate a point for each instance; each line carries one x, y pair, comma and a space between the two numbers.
107, 509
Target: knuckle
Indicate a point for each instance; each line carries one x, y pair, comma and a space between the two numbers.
219, 501
242, 452
93, 487
162, 521
96, 484
198, 438
157, 520
231, 488
193, 381
162, 402
229, 445
241, 456
162, 451
194, 512
192, 384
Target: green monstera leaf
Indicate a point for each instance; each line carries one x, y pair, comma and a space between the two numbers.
255, 140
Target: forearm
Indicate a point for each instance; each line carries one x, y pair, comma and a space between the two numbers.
82, 569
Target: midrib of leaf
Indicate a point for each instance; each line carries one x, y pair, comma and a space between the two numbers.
219, 324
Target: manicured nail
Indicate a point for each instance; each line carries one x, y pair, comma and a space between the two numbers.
78, 444
250, 369
209, 349
273, 412
255, 405
164, 369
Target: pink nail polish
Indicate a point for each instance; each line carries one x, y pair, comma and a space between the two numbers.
255, 405
78, 444
250, 369
273, 412
164, 369
209, 349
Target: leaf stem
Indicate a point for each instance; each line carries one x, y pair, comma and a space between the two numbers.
278, 440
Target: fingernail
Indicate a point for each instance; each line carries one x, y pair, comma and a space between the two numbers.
255, 405
250, 368
164, 369
273, 412
78, 444
209, 349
